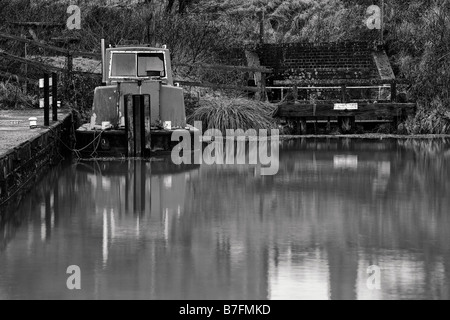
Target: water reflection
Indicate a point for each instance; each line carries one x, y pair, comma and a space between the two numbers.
151, 230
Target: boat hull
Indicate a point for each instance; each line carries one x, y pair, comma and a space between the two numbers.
114, 144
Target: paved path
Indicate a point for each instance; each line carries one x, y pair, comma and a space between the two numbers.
15, 127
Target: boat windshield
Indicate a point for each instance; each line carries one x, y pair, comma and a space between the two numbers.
123, 65
135, 65
151, 65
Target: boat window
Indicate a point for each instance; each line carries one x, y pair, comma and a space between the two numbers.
123, 65
151, 65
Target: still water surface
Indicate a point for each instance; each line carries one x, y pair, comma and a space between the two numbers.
154, 231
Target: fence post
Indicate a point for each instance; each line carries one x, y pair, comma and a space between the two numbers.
3, 182
46, 100
55, 96
393, 92
262, 88
303, 126
261, 26
26, 70
69, 76
346, 123
344, 93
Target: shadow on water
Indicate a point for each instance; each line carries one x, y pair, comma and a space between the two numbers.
152, 230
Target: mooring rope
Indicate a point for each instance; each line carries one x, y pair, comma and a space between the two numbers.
96, 141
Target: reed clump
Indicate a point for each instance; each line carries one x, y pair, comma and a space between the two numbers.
224, 113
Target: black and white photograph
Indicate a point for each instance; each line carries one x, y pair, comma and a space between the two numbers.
226, 157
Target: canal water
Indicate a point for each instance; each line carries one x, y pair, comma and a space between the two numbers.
152, 230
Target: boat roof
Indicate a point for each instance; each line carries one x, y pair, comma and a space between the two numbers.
137, 48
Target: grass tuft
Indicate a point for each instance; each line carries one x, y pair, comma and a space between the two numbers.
224, 113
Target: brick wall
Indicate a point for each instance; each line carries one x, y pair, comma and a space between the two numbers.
322, 61
23, 165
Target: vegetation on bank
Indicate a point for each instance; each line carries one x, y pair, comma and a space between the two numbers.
12, 96
432, 119
417, 38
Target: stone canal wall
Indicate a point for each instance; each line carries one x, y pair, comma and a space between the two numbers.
22, 165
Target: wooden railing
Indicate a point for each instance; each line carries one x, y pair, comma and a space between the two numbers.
343, 85
45, 67
65, 52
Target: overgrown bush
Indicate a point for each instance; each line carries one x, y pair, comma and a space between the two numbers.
81, 92
430, 119
13, 97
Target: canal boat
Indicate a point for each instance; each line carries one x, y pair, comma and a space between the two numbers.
138, 107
